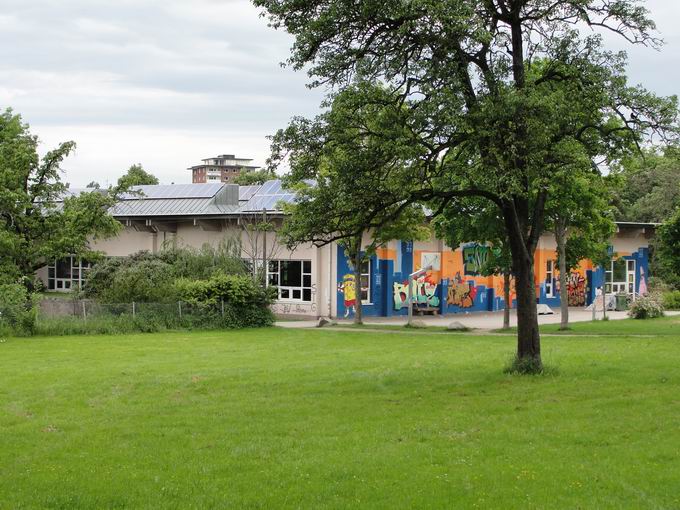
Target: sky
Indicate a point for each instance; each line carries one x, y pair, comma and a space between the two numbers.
166, 83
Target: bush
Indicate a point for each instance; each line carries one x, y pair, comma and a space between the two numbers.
237, 291
646, 307
18, 310
671, 300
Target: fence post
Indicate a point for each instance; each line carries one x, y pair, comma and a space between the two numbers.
84, 311
179, 305
222, 304
133, 309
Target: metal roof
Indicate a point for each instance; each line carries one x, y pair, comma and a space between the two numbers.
200, 200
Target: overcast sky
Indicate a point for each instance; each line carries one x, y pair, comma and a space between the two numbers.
166, 83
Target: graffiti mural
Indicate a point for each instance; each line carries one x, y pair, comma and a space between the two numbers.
424, 293
461, 294
475, 256
348, 288
400, 295
576, 289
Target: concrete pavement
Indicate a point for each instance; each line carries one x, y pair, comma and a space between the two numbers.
476, 320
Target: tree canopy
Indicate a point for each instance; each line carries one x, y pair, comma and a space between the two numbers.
136, 176
40, 219
250, 177
503, 95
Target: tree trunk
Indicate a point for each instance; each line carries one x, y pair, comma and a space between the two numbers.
561, 240
506, 297
528, 336
523, 241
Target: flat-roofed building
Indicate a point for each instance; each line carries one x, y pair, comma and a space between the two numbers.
222, 168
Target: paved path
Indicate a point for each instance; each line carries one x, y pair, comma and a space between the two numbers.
477, 320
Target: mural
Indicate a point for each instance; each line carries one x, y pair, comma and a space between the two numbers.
348, 288
461, 294
576, 289
643, 283
424, 293
475, 257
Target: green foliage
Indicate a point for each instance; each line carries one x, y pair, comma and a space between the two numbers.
39, 220
149, 277
667, 250
206, 261
235, 290
250, 177
145, 281
648, 185
136, 176
17, 310
671, 300
646, 307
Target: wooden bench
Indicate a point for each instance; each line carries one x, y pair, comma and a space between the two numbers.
425, 310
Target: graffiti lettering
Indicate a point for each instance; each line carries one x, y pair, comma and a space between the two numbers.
461, 294
576, 289
424, 293
475, 257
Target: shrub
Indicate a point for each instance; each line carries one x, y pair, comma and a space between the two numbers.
671, 300
17, 309
646, 307
238, 291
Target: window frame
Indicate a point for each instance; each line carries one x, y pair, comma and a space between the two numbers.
368, 288
287, 292
550, 278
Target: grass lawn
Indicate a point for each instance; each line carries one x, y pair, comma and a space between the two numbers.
337, 419
665, 326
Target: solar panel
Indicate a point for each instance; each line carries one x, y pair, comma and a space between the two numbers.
163, 191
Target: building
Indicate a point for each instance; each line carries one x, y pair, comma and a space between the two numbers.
315, 281
223, 168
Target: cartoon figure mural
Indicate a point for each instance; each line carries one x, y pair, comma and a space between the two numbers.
424, 292
348, 288
461, 294
576, 289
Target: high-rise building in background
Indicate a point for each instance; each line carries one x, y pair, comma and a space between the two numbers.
222, 168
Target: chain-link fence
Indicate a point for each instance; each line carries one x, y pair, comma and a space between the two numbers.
85, 315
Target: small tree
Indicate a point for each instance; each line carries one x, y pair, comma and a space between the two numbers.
578, 214
136, 176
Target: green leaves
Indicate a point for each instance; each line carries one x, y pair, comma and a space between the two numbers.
37, 222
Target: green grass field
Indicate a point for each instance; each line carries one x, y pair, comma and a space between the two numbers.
337, 419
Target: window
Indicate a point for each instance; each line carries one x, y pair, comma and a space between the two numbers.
292, 277
549, 275
366, 281
66, 274
620, 278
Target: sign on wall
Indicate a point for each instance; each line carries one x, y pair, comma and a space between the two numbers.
433, 259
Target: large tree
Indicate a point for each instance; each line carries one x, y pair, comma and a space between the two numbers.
350, 170
503, 94
40, 218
